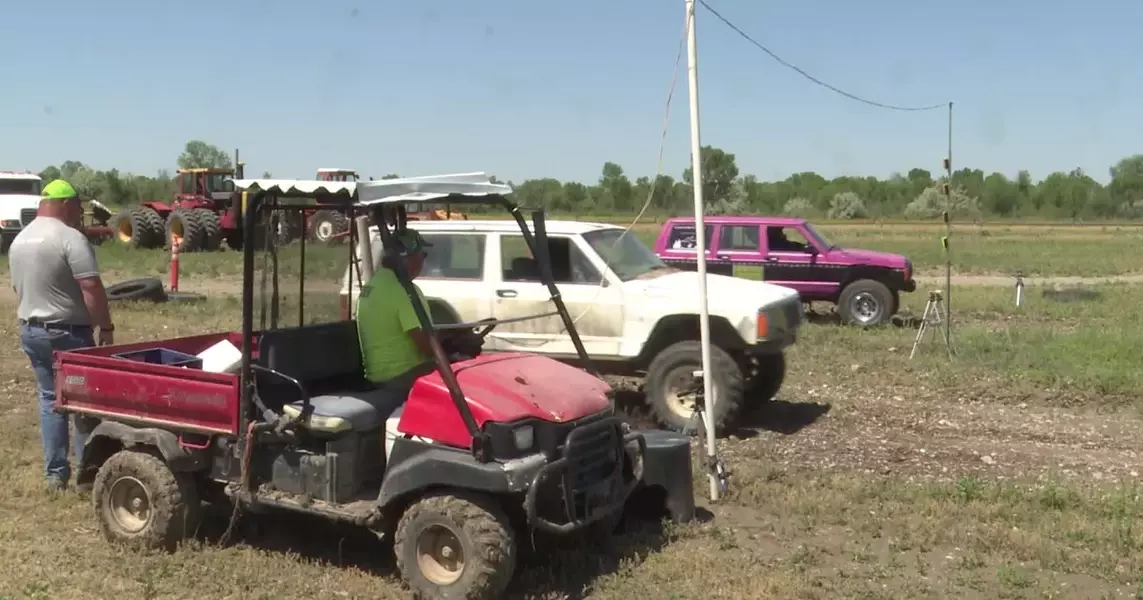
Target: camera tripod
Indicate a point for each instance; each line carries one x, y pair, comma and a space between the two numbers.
697, 422
931, 317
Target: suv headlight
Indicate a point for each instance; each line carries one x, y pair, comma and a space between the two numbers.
524, 436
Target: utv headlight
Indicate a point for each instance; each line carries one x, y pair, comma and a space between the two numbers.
524, 436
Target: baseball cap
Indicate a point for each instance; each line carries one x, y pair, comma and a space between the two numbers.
58, 190
412, 242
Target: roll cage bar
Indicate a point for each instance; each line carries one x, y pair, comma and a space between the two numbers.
385, 199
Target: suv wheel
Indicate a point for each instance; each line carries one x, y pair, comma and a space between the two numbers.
767, 373
670, 375
866, 303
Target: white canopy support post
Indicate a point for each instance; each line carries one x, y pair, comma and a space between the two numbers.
700, 235
364, 249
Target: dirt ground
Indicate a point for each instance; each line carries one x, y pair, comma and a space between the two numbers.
857, 482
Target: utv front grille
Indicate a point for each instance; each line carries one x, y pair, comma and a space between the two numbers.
592, 456
26, 215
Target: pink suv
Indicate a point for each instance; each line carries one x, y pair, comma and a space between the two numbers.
865, 285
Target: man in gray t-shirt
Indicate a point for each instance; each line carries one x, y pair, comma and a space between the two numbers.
61, 299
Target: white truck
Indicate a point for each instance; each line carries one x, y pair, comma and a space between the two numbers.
19, 200
635, 315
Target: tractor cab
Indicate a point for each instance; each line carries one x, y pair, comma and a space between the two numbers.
448, 460
204, 185
327, 174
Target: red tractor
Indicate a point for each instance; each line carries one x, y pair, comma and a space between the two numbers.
199, 217
459, 470
329, 226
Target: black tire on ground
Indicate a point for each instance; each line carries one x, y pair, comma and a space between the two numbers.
865, 302
184, 228
672, 369
456, 546
325, 224
185, 297
211, 229
6, 243
137, 226
141, 503
137, 289
768, 371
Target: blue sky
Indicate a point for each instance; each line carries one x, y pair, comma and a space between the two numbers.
540, 88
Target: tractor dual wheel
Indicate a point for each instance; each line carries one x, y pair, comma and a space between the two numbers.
186, 230
138, 226
211, 229
670, 375
325, 226
141, 503
456, 546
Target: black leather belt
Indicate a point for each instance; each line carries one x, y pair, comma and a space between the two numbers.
59, 326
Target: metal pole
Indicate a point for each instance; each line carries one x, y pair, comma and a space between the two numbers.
700, 235
948, 234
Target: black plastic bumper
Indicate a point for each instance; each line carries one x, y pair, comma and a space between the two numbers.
773, 345
910, 285
601, 499
667, 468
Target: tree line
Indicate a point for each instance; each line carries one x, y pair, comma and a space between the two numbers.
916, 194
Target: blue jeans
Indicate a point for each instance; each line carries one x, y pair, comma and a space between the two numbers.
39, 343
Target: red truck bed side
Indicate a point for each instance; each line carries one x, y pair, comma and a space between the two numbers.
93, 381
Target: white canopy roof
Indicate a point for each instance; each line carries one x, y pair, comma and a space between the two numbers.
296, 187
477, 186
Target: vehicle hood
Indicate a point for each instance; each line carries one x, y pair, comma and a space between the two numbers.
869, 257
12, 204
721, 290
505, 387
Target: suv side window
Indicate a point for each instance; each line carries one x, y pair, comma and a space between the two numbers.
743, 238
683, 237
454, 256
569, 263
785, 239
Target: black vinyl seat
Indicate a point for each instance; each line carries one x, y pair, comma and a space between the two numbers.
326, 359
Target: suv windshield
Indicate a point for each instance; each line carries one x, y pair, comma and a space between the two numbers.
624, 254
11, 187
817, 238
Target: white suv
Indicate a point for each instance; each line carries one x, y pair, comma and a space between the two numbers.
19, 200
635, 315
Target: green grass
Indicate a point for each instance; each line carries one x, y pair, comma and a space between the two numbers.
1006, 472
1060, 353
993, 249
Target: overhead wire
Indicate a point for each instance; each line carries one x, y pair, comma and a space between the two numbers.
654, 182
803, 73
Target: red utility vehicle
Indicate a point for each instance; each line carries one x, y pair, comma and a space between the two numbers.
481, 446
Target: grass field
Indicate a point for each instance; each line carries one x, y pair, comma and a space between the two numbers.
1010, 471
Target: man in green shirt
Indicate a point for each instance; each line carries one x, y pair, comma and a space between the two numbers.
392, 341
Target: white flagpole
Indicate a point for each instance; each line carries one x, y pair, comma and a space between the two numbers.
700, 235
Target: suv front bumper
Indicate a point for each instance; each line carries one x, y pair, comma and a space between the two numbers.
783, 321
